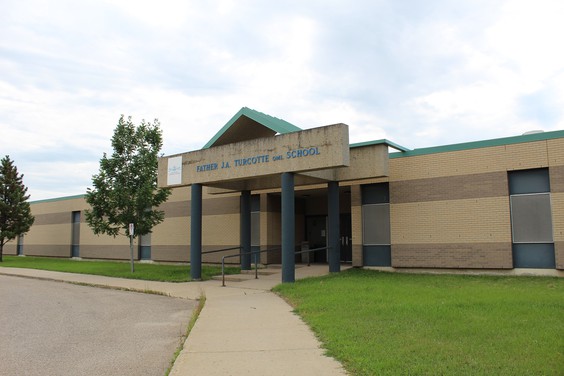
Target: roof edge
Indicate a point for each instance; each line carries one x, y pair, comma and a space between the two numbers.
282, 127
384, 141
57, 199
481, 144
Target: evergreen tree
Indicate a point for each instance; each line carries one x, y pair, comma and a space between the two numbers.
15, 212
125, 190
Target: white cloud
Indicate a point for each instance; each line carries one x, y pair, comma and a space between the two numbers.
417, 73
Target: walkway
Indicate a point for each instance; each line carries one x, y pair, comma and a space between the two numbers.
244, 329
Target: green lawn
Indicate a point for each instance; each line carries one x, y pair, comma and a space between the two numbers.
145, 271
380, 323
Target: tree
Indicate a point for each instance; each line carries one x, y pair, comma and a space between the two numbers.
125, 190
15, 212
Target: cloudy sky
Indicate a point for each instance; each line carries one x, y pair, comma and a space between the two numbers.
419, 73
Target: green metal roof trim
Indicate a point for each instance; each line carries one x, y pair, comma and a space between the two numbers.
57, 199
378, 142
481, 144
271, 122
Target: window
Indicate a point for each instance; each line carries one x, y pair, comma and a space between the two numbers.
531, 219
75, 237
376, 239
376, 224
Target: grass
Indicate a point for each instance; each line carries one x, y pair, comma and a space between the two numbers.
144, 271
379, 323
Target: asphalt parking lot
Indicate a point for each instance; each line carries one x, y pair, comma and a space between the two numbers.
54, 328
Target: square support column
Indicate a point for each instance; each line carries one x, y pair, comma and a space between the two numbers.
196, 232
245, 251
334, 229
288, 228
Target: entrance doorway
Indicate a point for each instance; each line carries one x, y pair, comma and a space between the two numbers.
316, 236
346, 238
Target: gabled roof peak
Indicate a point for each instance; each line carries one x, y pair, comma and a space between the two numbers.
248, 124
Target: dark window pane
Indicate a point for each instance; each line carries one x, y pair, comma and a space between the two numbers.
377, 255
534, 256
255, 203
375, 193
529, 181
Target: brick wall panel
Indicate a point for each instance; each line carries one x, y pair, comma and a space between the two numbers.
492, 184
453, 255
456, 221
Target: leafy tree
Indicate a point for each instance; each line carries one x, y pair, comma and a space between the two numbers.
125, 190
15, 212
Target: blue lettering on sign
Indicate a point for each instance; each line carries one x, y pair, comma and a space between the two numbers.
251, 160
206, 167
307, 152
264, 158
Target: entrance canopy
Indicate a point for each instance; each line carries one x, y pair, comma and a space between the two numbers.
253, 149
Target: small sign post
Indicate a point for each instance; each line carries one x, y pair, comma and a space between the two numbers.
131, 234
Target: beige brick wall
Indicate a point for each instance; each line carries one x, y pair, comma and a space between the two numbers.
172, 231
558, 216
492, 184
270, 233
474, 161
170, 240
558, 227
118, 251
447, 210
452, 209
467, 162
10, 248
221, 230
556, 152
50, 235
356, 224
559, 251
453, 255
454, 221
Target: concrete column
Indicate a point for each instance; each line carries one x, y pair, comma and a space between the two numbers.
245, 230
288, 228
196, 232
334, 228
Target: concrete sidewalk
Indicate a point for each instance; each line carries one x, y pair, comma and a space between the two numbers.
244, 329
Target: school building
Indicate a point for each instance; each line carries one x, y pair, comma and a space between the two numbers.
263, 184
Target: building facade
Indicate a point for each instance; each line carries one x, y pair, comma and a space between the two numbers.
486, 205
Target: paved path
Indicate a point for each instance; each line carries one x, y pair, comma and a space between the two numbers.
244, 329
53, 328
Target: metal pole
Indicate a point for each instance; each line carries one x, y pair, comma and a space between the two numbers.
256, 265
196, 233
223, 271
334, 227
131, 253
288, 228
245, 230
